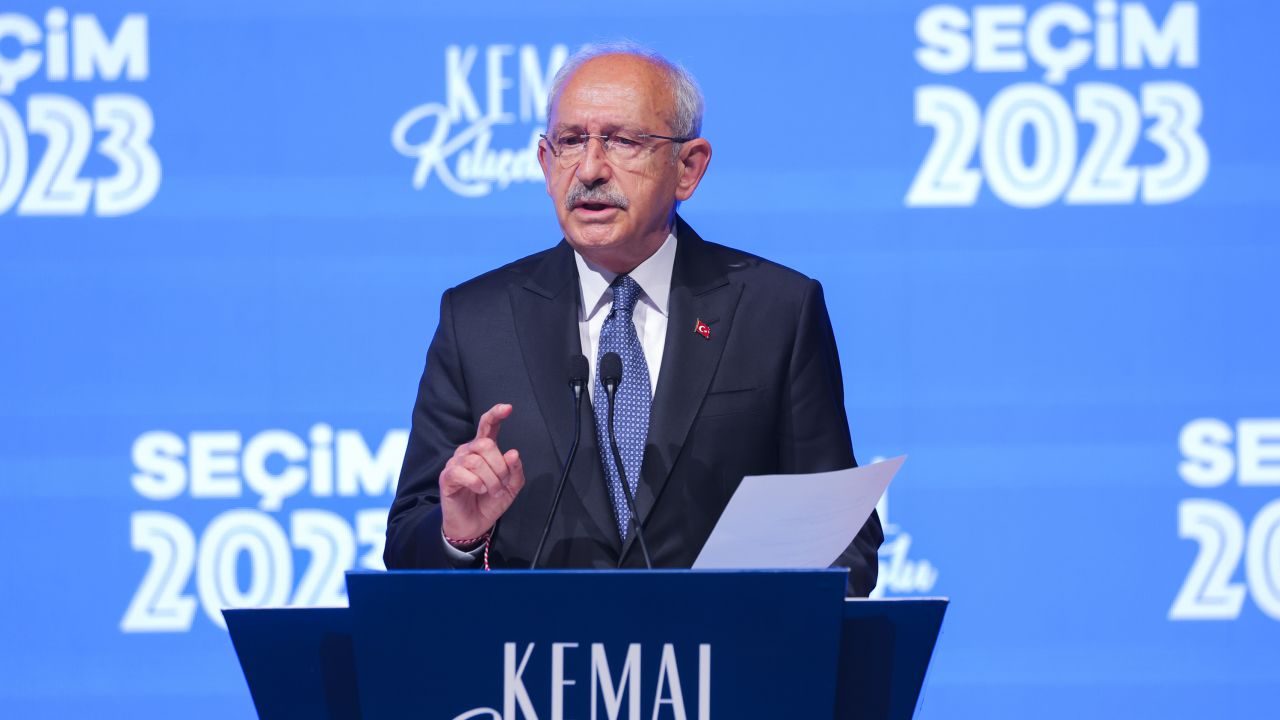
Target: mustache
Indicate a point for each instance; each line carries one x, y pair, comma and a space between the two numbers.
603, 194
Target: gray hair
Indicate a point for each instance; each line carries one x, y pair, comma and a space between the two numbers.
687, 121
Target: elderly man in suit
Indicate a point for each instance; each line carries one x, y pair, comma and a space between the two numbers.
729, 362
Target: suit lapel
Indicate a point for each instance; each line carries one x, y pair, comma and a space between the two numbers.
545, 308
700, 290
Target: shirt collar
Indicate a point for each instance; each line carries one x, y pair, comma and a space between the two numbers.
653, 276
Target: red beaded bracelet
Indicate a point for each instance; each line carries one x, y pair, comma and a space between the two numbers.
469, 542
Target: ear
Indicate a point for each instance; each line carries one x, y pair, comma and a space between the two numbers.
694, 158
545, 159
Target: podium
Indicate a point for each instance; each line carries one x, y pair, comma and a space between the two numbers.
589, 645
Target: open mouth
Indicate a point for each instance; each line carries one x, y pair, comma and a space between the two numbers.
594, 206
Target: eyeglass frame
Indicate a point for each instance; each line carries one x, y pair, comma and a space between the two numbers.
604, 143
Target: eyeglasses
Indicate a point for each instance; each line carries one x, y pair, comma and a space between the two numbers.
620, 148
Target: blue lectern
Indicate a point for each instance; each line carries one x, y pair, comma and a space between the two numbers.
589, 645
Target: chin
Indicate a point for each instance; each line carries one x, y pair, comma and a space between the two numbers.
595, 235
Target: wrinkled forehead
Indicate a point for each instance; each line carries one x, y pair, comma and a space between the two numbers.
612, 92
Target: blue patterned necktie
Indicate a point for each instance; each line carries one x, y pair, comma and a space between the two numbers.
631, 406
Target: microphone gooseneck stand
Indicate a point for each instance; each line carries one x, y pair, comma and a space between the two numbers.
578, 373
611, 378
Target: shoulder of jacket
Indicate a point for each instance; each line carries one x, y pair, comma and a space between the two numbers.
495, 282
753, 270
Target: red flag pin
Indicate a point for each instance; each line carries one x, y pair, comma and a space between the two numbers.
702, 329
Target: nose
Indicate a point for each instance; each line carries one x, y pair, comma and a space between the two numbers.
594, 168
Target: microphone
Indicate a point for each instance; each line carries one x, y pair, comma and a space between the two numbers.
578, 373
611, 378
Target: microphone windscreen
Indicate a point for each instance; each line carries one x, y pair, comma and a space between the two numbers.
611, 369
578, 369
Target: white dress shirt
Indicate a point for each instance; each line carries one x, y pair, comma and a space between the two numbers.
650, 316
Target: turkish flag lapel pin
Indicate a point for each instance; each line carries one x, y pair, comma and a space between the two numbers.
702, 329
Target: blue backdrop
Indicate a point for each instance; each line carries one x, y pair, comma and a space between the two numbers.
1042, 229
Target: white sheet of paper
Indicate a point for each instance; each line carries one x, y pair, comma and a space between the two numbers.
795, 521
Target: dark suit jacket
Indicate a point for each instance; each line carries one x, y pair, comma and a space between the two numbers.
762, 395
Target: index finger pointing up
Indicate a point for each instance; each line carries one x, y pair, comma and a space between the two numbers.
491, 421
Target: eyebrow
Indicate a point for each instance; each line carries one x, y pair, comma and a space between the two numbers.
607, 129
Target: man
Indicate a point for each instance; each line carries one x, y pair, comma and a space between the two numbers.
729, 362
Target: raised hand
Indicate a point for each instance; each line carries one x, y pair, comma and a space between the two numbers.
480, 481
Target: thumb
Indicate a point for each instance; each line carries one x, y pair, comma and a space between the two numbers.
515, 480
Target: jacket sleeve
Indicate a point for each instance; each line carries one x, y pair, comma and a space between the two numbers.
442, 420
815, 428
